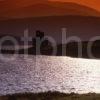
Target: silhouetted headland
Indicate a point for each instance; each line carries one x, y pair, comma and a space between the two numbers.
73, 49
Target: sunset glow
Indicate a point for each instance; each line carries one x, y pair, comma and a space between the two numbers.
91, 3
31, 8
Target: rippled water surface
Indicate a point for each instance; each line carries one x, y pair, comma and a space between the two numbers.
45, 73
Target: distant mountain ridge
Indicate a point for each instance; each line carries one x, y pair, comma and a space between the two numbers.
82, 26
45, 9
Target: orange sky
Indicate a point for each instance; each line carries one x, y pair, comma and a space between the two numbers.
91, 3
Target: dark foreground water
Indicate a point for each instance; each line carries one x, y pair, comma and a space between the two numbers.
45, 73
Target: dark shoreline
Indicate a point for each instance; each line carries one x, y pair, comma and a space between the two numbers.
51, 96
71, 50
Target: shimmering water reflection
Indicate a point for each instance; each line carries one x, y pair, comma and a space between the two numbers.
46, 73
